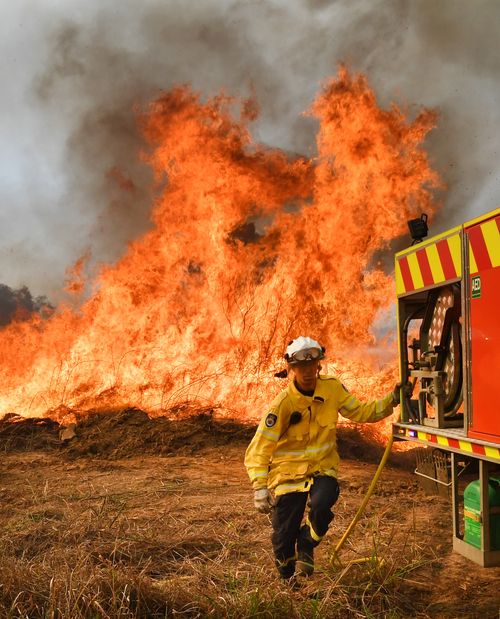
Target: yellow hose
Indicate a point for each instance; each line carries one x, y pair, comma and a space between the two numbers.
361, 508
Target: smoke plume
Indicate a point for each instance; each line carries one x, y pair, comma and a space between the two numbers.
73, 178
21, 305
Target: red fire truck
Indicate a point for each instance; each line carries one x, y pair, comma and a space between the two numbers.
448, 290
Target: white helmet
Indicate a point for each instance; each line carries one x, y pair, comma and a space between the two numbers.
303, 349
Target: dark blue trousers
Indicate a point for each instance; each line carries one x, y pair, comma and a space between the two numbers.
287, 520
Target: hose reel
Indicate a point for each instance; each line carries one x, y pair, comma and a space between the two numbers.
437, 361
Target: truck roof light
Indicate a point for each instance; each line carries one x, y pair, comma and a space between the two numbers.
418, 228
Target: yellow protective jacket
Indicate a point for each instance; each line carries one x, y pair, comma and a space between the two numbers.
297, 438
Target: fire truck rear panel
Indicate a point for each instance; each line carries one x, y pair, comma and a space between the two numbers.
484, 295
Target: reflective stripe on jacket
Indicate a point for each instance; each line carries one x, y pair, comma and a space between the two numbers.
285, 456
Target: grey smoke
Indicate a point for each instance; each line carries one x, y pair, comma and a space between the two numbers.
72, 73
20, 304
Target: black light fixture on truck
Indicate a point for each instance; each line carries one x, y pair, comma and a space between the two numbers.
418, 228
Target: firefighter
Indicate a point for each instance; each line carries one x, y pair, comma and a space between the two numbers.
294, 455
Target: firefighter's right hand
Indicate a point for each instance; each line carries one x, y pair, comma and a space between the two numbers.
263, 500
396, 394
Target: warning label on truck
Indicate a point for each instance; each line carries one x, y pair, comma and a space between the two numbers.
476, 287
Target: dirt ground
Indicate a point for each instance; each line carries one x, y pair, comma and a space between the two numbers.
163, 510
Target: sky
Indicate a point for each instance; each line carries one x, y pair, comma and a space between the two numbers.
73, 73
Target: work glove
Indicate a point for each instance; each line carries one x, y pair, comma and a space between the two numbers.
396, 394
263, 500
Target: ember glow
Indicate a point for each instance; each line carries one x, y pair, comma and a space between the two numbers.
250, 248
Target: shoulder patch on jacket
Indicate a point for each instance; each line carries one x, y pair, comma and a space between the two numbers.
271, 420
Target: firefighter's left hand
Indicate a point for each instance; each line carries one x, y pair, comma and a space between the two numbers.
263, 501
396, 394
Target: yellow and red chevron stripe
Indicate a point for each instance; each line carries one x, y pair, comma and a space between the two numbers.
433, 263
484, 245
486, 452
461, 445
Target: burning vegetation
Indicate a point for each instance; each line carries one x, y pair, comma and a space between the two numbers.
250, 247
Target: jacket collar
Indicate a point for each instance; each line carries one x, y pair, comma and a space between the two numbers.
320, 393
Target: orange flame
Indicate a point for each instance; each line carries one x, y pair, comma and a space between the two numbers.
250, 248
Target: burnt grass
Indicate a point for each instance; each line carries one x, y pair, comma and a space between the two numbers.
124, 433
140, 516
130, 432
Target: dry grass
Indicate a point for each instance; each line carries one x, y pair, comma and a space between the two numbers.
122, 545
176, 536
109, 557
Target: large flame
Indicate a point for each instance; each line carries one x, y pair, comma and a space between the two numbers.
250, 248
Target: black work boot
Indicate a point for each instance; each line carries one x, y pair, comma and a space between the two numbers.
286, 569
305, 553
